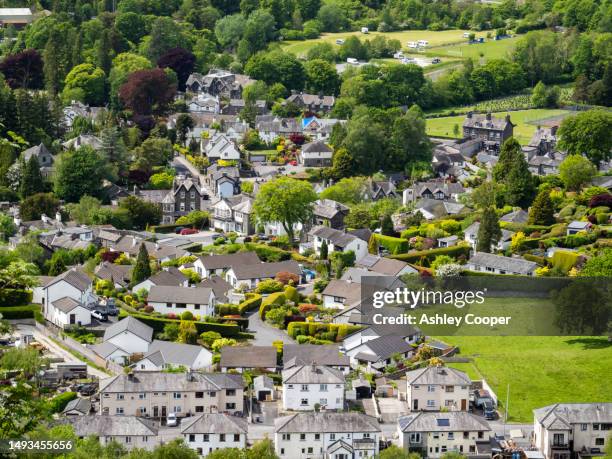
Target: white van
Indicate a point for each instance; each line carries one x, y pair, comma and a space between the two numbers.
466, 34
398, 55
423, 43
352, 60
412, 44
365, 30
339, 41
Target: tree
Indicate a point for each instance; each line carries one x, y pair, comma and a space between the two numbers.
85, 83
409, 141
340, 261
229, 29
181, 61
347, 191
576, 171
23, 70
184, 122
131, 25
141, 213
258, 31
342, 164
520, 186
395, 452
324, 250
124, 65
386, 226
188, 333
142, 268
41, 203
373, 245
542, 210
487, 195
7, 227
538, 97
508, 155
79, 172
598, 266
582, 308
56, 266
587, 133
489, 232
321, 77
31, 179
165, 35
113, 148
287, 201
277, 67
365, 141
171, 332
147, 92
153, 152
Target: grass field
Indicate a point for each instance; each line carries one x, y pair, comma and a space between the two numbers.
526, 122
540, 370
435, 39
490, 49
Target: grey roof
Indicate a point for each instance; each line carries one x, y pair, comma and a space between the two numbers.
439, 208
158, 381
438, 376
168, 352
119, 274
336, 237
387, 345
388, 266
475, 227
487, 121
303, 354
447, 188
248, 357
452, 421
227, 261
266, 270
219, 286
573, 413
175, 294
263, 382
316, 147
312, 374
74, 277
328, 208
511, 264
129, 324
82, 405
66, 304
326, 422
578, 225
168, 278
216, 423
312, 99
85, 426
105, 349
109, 236
516, 216
368, 261
343, 289
36, 150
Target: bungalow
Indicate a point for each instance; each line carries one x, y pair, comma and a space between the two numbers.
438, 388
316, 154
16, 17
251, 275
337, 241
77, 407
471, 235
163, 355
66, 312
497, 264
377, 353
208, 432
330, 213
239, 358
169, 276
167, 299
323, 355
340, 294
433, 434
578, 226
307, 386
128, 431
432, 209
385, 266
325, 434
207, 266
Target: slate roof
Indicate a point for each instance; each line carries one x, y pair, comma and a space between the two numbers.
388, 266
510, 264
445, 376
176, 294
474, 227
217, 423
516, 216
304, 354
328, 208
164, 277
387, 345
158, 381
452, 421
111, 426
481, 121
78, 279
326, 422
336, 237
219, 286
316, 147
82, 405
227, 261
36, 150
119, 274
66, 304
129, 324
439, 208
343, 289
265, 270
248, 357
309, 374
105, 349
574, 413
312, 99
167, 352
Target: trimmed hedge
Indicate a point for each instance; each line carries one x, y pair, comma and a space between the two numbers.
539, 260
15, 297
414, 257
394, 245
328, 332
165, 229
158, 324
277, 298
250, 304
59, 402
410, 232
20, 312
267, 253
565, 260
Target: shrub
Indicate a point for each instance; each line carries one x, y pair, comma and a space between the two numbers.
19, 312
59, 402
277, 298
187, 315
224, 309
409, 233
15, 297
285, 278
565, 260
269, 286
249, 304
158, 323
208, 338
267, 253
292, 294
604, 199
429, 255
222, 342
394, 245
539, 260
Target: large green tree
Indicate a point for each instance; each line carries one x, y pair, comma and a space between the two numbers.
31, 179
542, 210
34, 206
142, 268
588, 133
576, 171
489, 232
78, 173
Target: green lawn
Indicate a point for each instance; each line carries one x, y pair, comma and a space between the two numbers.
526, 122
540, 370
490, 49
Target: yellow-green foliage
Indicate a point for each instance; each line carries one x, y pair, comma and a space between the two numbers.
565, 260
394, 245
253, 301
274, 298
339, 331
292, 294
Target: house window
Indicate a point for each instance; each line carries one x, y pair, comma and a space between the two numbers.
323, 387
230, 392
366, 435
304, 388
230, 406
443, 448
205, 438
176, 395
213, 394
480, 434
177, 409
119, 410
221, 437
199, 395
472, 448
282, 451
431, 403
310, 450
236, 437
302, 437
449, 402
289, 386
199, 409
120, 396
323, 402
595, 426
317, 436
451, 435
145, 439
599, 442
304, 402
558, 439
191, 438
128, 439
450, 388
286, 436
142, 396
431, 388
332, 436
415, 437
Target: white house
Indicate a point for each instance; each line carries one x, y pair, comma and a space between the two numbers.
163, 355
497, 264
337, 241
73, 284
251, 275
322, 355
67, 312
170, 299
377, 353
220, 147
207, 266
129, 335
204, 103
471, 235
340, 294
330, 435
564, 429
168, 276
306, 386
211, 431
128, 431
432, 434
438, 388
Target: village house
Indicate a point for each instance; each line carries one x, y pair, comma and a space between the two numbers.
339, 294
492, 131
432, 434
547, 164
438, 388
186, 196
167, 299
516, 216
270, 127
164, 355
470, 235
327, 355
234, 214
83, 140
329, 213
220, 287
319, 128
66, 299
169, 276
498, 264
79, 109
437, 190
156, 394
569, 430
336, 240
433, 209
306, 387
223, 181
239, 358
375, 354
249, 276
218, 83
316, 154
543, 142
44, 157
77, 407
118, 275
385, 266
209, 265
325, 434
203, 103
377, 190
316, 103
208, 432
235, 106
128, 431
220, 147
124, 338
67, 312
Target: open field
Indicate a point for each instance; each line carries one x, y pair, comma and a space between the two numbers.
540, 370
526, 122
490, 49
435, 39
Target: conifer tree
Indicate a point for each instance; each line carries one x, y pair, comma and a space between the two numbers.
373, 245
142, 269
386, 227
31, 178
489, 232
324, 250
542, 210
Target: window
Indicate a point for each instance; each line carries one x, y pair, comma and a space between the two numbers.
451, 435
106, 395
466, 435
449, 402
206, 438
221, 437
480, 434
436, 435
323, 387
289, 386
119, 410
128, 439
236, 437
366, 435
416, 387
431, 403
177, 409
332, 436
199, 409
443, 449
415, 437
199, 395
323, 401
304, 402
176, 395
282, 451
310, 450
199, 451
431, 388
286, 436
302, 437
317, 436
558, 439
120, 397
213, 394
338, 401
450, 388
595, 426
230, 392
472, 448
304, 388
599, 442
145, 439
230, 406
191, 438
142, 396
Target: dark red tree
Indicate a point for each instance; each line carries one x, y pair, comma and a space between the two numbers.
181, 61
138, 177
297, 139
109, 256
147, 92
601, 200
23, 70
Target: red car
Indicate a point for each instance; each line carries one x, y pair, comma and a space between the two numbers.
186, 231
293, 163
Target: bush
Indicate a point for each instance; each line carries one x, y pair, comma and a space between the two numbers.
15, 297
429, 255
565, 260
292, 294
410, 232
59, 402
604, 199
277, 298
333, 332
249, 304
227, 309
267, 253
269, 286
164, 229
19, 312
158, 323
285, 278
394, 245
539, 260
187, 315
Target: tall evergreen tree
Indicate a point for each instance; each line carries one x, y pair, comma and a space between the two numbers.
509, 154
31, 178
142, 268
373, 245
324, 250
520, 184
542, 210
103, 52
51, 69
489, 232
386, 226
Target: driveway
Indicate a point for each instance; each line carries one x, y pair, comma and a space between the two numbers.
266, 334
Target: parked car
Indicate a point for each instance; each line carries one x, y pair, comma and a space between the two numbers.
352, 60
339, 41
101, 316
436, 60
178, 229
172, 420
481, 397
490, 413
186, 231
365, 30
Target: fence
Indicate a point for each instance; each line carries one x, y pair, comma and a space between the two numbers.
485, 386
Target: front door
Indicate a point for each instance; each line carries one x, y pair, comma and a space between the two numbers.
72, 319
163, 412
155, 411
415, 404
463, 405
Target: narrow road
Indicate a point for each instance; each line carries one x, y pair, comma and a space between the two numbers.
59, 351
266, 334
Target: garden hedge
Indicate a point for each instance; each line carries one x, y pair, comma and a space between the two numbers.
415, 257
267, 253
249, 304
20, 312
158, 324
15, 297
565, 260
331, 332
394, 245
59, 402
165, 229
539, 260
266, 303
